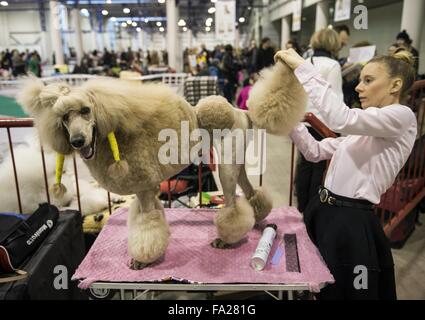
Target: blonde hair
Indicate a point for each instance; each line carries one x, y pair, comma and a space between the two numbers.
326, 39
400, 65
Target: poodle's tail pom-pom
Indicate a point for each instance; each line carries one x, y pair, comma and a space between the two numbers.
58, 190
277, 102
215, 112
118, 169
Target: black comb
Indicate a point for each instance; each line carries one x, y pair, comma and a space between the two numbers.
291, 253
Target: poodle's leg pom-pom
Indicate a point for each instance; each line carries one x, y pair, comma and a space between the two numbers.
233, 223
262, 204
58, 190
118, 169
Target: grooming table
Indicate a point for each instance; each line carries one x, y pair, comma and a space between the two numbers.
195, 266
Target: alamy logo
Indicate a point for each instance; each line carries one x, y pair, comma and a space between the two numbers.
235, 146
361, 281
43, 228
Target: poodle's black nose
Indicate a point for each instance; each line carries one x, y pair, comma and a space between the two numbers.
77, 141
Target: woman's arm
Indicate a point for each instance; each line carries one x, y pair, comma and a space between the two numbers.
313, 150
379, 122
390, 121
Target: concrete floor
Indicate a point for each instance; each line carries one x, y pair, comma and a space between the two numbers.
409, 261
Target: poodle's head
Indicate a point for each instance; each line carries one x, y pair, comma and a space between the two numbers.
65, 119
77, 117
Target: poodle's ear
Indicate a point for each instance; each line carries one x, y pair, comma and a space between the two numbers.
29, 95
35, 97
53, 133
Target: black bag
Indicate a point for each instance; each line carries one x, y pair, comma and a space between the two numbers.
18, 242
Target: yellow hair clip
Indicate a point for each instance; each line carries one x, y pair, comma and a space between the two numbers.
120, 167
58, 188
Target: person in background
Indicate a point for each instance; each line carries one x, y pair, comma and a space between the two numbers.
309, 175
340, 219
252, 57
294, 45
230, 74
265, 55
18, 63
206, 53
244, 94
34, 65
403, 39
343, 33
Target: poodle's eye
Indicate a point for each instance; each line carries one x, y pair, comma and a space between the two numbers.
65, 117
85, 110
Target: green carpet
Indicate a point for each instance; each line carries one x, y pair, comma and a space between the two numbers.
9, 107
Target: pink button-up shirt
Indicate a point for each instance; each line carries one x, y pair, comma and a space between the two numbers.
379, 141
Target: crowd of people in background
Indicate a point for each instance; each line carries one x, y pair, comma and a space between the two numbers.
236, 69
14, 63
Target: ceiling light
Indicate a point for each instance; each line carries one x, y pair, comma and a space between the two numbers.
4, 3
134, 24
113, 19
108, 1
105, 12
161, 1
84, 12
211, 10
138, 29
126, 10
124, 24
241, 19
129, 21
161, 29
181, 23
207, 29
213, 1
146, 20
159, 23
184, 29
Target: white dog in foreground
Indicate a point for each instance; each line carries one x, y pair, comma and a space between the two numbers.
32, 187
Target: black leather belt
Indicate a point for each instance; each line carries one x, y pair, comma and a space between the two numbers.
332, 199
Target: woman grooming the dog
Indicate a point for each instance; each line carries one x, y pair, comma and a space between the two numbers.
364, 164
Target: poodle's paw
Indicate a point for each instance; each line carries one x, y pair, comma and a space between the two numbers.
148, 236
233, 223
136, 265
261, 203
220, 244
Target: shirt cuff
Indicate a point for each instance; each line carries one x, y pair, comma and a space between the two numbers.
305, 72
296, 132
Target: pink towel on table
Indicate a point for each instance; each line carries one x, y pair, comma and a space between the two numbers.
189, 255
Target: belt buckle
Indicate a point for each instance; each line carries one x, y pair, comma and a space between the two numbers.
324, 194
326, 198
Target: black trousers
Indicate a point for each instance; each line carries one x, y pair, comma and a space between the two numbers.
309, 176
355, 249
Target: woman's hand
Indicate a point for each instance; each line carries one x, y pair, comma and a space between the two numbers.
290, 57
